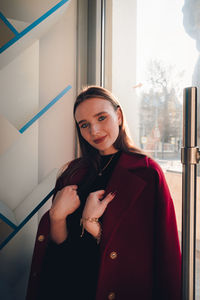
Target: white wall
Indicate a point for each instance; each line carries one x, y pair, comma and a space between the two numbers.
57, 70
27, 84
19, 100
24, 10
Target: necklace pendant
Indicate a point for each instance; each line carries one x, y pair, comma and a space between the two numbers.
100, 173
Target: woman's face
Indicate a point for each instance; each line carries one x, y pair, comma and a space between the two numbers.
99, 124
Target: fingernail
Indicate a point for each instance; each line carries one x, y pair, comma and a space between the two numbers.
114, 193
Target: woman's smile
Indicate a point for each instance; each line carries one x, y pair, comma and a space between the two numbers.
100, 140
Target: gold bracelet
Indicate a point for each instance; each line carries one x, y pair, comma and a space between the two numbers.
92, 220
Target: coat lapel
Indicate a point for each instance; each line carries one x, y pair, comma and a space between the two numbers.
128, 187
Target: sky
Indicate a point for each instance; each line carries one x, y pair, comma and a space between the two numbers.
161, 35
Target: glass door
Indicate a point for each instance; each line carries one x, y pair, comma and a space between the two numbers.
152, 56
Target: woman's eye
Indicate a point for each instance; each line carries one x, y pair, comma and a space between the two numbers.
85, 125
101, 118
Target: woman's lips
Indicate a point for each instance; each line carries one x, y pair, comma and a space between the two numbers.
100, 140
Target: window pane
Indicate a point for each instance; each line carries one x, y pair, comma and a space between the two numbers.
154, 57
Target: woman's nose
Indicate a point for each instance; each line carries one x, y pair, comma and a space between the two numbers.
94, 129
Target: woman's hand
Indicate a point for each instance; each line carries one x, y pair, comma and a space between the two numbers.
65, 203
94, 208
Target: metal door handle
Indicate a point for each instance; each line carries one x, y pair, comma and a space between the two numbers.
190, 156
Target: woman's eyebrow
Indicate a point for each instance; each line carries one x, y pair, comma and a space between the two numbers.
102, 112
96, 115
82, 121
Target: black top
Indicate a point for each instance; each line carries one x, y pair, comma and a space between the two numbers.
70, 269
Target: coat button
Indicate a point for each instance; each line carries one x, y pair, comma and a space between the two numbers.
113, 255
111, 296
41, 238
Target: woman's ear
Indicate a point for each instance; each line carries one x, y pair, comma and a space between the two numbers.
119, 115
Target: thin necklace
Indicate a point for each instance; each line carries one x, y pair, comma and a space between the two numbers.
101, 171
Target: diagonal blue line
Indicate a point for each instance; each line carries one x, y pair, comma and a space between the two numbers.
38, 115
7, 221
32, 25
18, 228
10, 26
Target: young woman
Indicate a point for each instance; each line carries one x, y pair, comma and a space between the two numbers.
111, 232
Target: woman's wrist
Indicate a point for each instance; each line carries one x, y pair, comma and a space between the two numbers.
93, 226
58, 230
54, 216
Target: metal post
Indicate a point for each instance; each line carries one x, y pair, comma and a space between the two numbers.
103, 18
189, 159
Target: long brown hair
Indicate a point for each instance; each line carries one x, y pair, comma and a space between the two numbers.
90, 156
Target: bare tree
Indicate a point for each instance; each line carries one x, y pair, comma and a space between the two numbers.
161, 110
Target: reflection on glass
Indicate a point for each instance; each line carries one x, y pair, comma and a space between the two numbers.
166, 55
167, 63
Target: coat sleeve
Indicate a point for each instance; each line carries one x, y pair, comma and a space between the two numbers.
39, 251
38, 255
167, 247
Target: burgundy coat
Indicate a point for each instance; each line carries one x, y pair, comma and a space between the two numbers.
140, 251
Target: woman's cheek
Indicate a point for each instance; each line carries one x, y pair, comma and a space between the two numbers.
85, 136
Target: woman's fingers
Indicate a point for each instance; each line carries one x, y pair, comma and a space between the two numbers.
74, 187
66, 202
94, 206
108, 199
100, 193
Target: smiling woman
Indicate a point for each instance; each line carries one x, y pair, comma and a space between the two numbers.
111, 229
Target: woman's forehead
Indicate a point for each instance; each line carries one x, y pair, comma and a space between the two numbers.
91, 107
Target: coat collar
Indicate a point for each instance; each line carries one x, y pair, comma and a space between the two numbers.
132, 160
128, 187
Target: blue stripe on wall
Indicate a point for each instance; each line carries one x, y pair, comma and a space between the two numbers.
26, 219
31, 26
36, 117
10, 26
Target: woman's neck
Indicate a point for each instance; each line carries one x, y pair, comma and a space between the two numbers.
108, 152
